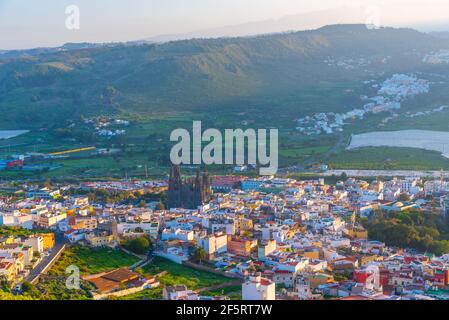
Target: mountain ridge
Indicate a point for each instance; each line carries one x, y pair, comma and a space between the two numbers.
189, 75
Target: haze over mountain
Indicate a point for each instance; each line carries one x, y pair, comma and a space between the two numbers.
296, 22
25, 24
306, 21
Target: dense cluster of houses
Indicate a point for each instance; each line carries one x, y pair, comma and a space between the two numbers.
389, 97
19, 255
439, 57
106, 127
354, 63
126, 186
285, 239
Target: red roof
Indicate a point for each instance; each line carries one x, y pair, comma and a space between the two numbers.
265, 282
282, 271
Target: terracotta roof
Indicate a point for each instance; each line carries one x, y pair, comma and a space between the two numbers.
121, 275
265, 282
114, 279
104, 285
282, 271
5, 265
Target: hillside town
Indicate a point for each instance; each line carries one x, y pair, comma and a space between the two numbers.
390, 94
105, 126
277, 238
438, 57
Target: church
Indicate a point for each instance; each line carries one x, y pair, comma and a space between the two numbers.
190, 193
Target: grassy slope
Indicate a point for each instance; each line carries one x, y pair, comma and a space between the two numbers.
91, 261
179, 274
195, 75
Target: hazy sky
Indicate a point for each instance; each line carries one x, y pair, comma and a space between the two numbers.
32, 23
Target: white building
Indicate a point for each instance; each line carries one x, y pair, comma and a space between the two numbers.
36, 242
179, 292
177, 234
43, 193
436, 186
16, 219
128, 228
266, 248
214, 244
258, 288
302, 290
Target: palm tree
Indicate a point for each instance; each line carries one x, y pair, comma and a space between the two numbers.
200, 255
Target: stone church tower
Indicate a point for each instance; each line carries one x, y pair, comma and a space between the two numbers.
188, 194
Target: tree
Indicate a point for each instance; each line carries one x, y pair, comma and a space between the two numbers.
342, 276
47, 184
160, 206
410, 229
140, 271
4, 283
200, 255
440, 247
138, 245
252, 269
30, 290
142, 204
404, 197
10, 296
247, 234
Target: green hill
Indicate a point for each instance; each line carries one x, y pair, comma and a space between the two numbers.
282, 72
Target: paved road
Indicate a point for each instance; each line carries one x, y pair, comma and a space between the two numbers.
144, 262
386, 173
45, 261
